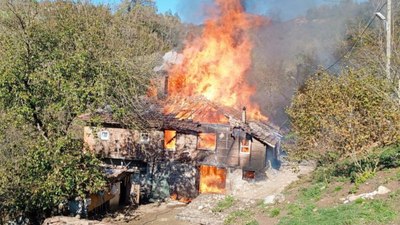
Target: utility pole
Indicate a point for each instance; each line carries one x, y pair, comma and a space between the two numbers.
389, 39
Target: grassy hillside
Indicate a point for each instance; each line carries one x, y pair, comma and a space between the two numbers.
310, 201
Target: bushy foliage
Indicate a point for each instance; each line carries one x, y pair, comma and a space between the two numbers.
361, 170
46, 176
343, 117
59, 59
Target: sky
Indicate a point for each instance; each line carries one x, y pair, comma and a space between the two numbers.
190, 10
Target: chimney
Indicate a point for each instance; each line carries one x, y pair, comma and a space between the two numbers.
244, 114
166, 85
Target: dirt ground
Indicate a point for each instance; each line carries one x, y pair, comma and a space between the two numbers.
158, 214
200, 208
275, 183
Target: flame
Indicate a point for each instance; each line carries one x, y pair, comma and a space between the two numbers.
215, 63
180, 198
169, 139
190, 109
207, 141
245, 145
212, 180
249, 175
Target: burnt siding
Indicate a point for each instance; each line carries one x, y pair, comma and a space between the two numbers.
228, 151
258, 153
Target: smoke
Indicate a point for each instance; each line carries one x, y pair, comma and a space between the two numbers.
302, 36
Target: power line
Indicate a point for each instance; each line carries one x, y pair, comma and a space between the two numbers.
350, 50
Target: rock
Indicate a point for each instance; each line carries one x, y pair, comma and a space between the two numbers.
382, 190
120, 217
279, 198
272, 199
269, 200
352, 197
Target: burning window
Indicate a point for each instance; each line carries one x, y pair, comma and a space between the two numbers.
207, 141
169, 139
248, 175
212, 179
245, 144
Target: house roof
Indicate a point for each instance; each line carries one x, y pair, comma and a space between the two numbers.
192, 112
189, 114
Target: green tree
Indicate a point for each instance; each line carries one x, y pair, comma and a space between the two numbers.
59, 59
342, 117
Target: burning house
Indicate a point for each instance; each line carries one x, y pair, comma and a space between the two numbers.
196, 150
201, 141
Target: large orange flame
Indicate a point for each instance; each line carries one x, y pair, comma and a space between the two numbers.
212, 179
215, 63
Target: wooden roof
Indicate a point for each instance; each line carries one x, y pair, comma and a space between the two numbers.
193, 112
190, 114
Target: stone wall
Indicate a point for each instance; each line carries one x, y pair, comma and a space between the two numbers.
170, 178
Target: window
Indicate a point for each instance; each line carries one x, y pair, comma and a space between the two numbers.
169, 139
245, 144
104, 135
248, 175
207, 141
144, 138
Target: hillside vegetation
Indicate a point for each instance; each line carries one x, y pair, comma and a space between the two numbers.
59, 59
62, 58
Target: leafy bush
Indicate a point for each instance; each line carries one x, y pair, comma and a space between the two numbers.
344, 117
359, 171
390, 157
48, 175
274, 212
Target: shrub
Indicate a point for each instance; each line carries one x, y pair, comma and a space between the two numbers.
390, 157
345, 121
274, 212
48, 175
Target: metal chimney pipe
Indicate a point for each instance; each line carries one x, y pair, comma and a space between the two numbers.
244, 114
166, 86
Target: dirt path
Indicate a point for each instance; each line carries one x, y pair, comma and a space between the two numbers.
157, 214
275, 183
